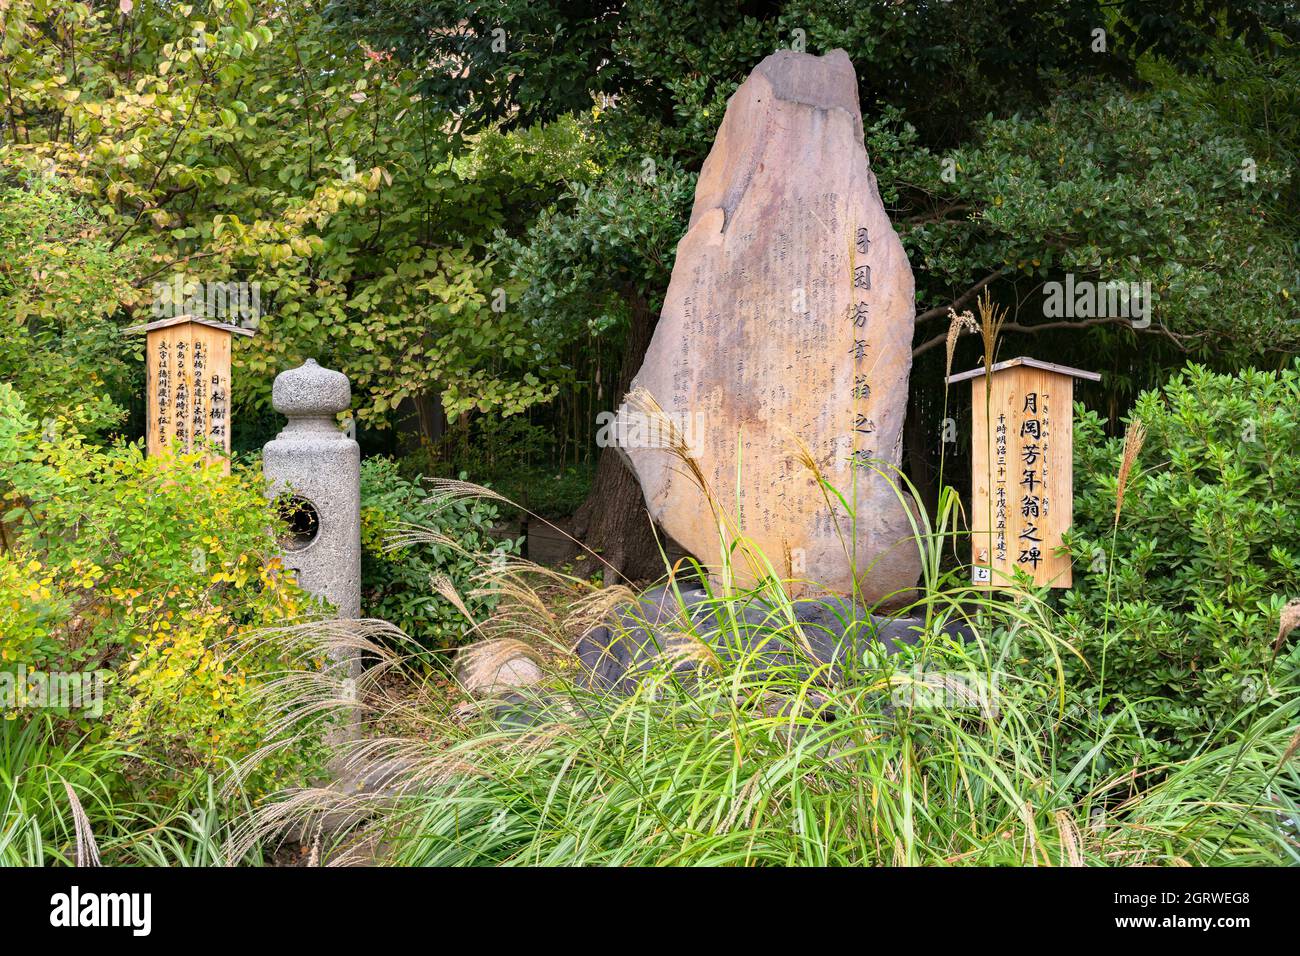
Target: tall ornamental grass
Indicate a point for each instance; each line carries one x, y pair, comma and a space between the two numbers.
726, 753
64, 802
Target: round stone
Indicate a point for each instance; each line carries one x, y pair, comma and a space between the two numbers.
494, 666
310, 389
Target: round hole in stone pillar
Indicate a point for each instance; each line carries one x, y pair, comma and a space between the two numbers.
301, 523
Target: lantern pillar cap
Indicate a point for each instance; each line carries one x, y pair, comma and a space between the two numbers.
311, 391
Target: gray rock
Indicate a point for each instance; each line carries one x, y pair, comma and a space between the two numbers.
616, 656
836, 631
493, 667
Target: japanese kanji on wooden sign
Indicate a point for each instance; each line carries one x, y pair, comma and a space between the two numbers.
1022, 475
188, 385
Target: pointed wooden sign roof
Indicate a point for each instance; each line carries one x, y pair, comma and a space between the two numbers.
178, 319
1028, 363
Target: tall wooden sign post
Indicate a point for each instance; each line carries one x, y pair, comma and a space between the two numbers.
1022, 475
188, 385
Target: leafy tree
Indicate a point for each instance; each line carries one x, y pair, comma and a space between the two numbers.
597, 263
1111, 186
944, 63
63, 297
239, 141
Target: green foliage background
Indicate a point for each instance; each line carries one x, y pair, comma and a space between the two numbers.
475, 237
462, 205
400, 583
1176, 607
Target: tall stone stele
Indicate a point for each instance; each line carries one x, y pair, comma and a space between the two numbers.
319, 468
786, 328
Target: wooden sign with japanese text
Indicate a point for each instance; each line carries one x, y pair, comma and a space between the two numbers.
188, 386
1022, 478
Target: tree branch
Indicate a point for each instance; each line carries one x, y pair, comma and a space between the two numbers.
960, 301
1179, 340
936, 215
157, 173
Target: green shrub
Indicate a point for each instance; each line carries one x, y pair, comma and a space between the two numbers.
151, 571
397, 582
1179, 624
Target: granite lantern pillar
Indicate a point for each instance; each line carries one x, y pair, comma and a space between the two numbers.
318, 467
316, 470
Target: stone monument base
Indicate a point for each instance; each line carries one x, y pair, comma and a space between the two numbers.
836, 630
617, 655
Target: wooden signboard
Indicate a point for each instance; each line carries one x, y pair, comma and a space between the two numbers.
188, 385
1022, 476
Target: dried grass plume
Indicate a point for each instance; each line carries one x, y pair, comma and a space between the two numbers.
1134, 436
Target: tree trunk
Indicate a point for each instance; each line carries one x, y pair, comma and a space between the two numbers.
919, 458
420, 422
432, 420
613, 520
